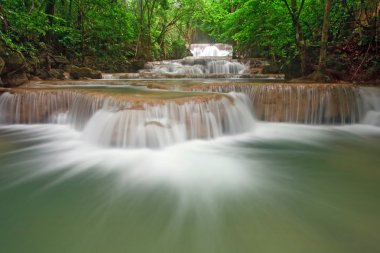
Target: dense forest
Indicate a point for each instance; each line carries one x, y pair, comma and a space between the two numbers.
325, 40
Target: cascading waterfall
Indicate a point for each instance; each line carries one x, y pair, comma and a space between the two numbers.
220, 50
207, 61
99, 164
308, 103
370, 104
108, 121
113, 121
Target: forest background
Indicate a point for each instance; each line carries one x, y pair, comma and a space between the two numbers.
326, 40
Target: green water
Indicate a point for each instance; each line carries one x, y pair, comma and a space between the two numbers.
314, 190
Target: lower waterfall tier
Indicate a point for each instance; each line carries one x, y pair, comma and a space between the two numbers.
122, 121
132, 116
308, 103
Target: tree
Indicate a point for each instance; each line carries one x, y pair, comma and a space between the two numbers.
295, 12
321, 70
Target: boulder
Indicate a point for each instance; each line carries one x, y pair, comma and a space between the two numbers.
13, 66
78, 73
15, 79
59, 61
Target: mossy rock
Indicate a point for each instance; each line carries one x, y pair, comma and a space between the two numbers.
13, 66
52, 74
78, 73
15, 79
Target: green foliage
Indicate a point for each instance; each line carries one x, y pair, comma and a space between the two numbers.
108, 34
265, 27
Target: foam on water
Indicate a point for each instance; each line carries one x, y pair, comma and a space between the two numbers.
191, 167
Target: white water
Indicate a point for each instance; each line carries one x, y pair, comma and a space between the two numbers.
112, 122
309, 104
371, 105
277, 187
204, 50
207, 60
211, 66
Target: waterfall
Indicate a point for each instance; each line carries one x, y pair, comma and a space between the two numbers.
207, 61
220, 50
111, 121
224, 67
370, 103
309, 103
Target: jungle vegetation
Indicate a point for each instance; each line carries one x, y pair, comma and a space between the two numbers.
300, 37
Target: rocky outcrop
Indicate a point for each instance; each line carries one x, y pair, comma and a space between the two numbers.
52, 74
13, 66
78, 73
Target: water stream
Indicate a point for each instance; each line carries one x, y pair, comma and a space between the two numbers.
195, 166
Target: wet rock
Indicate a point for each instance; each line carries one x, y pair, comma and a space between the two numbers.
148, 65
77, 73
136, 65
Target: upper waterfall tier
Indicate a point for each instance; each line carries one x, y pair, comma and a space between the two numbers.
207, 61
219, 50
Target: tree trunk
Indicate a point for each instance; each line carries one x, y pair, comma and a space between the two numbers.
80, 25
4, 23
295, 13
50, 11
324, 40
301, 44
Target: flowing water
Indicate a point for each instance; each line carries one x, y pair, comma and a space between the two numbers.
115, 167
206, 61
